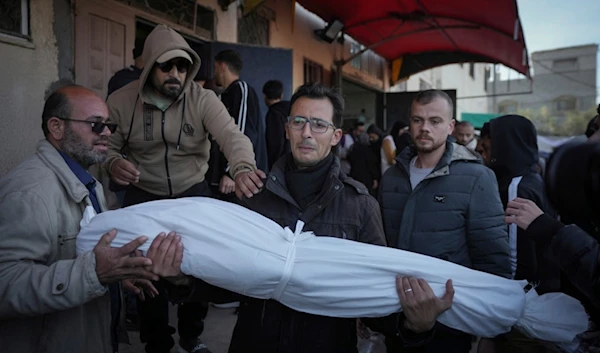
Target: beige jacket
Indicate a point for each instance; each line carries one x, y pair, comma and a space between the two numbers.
171, 148
50, 299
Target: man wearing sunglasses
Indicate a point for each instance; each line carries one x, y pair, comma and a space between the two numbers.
53, 300
161, 149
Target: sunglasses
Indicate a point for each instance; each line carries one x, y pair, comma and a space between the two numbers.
97, 126
182, 66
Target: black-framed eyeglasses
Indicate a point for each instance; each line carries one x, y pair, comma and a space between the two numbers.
316, 125
181, 64
97, 126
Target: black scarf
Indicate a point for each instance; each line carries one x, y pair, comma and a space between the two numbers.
305, 184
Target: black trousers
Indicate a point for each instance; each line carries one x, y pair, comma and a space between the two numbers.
154, 312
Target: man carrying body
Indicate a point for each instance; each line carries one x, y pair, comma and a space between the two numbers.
164, 120
438, 200
53, 300
307, 184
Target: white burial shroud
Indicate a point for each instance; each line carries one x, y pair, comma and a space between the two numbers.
237, 249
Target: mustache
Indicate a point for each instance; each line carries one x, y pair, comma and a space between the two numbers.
101, 138
172, 81
424, 136
306, 144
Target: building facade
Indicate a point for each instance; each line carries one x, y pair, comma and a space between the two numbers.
47, 43
564, 80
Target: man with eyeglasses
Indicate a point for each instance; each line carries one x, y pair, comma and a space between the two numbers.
160, 150
307, 184
53, 300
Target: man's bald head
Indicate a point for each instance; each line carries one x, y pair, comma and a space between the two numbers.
64, 100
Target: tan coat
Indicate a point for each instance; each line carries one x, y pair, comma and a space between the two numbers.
171, 148
50, 299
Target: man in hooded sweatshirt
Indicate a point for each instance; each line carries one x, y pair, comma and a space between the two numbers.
160, 150
513, 156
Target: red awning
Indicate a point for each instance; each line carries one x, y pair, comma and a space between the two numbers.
430, 33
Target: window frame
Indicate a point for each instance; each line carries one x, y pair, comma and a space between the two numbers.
313, 67
25, 31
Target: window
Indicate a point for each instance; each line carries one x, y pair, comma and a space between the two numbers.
564, 104
14, 17
313, 72
508, 107
183, 13
565, 64
472, 70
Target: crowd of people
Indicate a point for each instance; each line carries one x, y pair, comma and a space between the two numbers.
429, 186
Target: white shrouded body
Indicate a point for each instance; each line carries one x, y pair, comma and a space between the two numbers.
237, 249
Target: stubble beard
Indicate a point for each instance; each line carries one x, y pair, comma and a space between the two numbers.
73, 146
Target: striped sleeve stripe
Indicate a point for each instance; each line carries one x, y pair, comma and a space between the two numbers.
243, 106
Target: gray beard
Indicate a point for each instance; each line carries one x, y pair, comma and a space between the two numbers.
74, 147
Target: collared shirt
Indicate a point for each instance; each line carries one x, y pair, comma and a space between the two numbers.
85, 178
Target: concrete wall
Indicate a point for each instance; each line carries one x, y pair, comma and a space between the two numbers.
28, 69
226, 24
551, 83
453, 77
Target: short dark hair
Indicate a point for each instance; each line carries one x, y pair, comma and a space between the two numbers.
232, 59
463, 123
57, 105
426, 97
273, 89
316, 90
358, 124
139, 47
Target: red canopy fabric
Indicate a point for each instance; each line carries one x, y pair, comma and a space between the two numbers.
430, 33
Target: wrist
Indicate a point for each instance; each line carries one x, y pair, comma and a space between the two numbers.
240, 169
418, 328
181, 280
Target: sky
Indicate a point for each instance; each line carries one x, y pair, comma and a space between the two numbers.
550, 24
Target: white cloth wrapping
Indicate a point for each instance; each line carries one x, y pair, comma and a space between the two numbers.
237, 249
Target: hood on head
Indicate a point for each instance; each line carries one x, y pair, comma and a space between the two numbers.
165, 43
514, 145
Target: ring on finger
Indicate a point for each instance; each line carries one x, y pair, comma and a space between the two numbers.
408, 290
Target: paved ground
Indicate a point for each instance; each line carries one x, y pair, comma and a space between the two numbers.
217, 333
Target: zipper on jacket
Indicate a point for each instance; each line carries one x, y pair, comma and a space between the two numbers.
162, 130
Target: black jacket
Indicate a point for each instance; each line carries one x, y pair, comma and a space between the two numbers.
342, 209
514, 153
277, 144
123, 77
242, 103
576, 253
365, 167
454, 214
